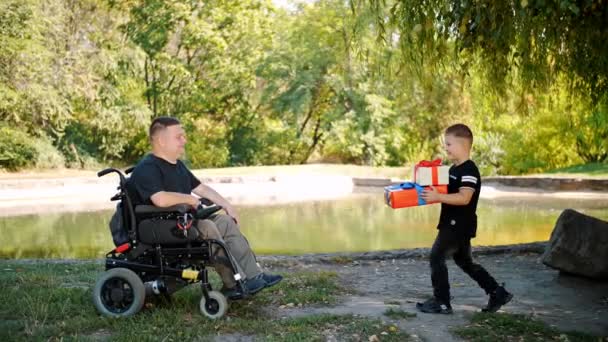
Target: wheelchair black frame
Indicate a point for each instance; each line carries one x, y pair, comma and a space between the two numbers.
117, 258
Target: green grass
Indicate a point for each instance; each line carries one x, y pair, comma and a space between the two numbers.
305, 288
398, 314
591, 169
509, 327
42, 301
341, 260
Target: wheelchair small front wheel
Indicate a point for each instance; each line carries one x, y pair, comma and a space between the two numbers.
215, 307
119, 292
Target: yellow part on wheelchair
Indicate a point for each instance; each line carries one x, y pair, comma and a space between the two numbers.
190, 274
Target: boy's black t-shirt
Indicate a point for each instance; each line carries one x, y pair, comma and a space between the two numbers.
462, 218
153, 174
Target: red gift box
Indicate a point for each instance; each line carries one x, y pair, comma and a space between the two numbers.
408, 195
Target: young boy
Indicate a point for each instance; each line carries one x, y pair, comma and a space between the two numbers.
457, 226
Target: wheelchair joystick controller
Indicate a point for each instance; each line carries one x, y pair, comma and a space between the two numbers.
204, 211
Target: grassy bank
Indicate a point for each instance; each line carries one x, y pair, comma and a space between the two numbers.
584, 170
399, 172
273, 170
52, 301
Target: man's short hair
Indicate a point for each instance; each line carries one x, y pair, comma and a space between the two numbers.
461, 131
161, 123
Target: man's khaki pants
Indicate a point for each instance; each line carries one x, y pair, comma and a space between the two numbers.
223, 228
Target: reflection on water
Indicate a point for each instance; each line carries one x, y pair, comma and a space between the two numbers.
360, 223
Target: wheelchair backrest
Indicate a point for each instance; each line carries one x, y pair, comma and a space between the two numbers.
150, 224
123, 223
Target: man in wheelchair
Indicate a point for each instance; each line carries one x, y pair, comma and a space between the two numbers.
162, 180
166, 237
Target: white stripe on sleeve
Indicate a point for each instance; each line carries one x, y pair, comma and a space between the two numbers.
469, 179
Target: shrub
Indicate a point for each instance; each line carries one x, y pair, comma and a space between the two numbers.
17, 149
48, 157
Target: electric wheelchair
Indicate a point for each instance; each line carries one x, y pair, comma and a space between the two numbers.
157, 254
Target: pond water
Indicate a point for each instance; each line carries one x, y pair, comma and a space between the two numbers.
358, 223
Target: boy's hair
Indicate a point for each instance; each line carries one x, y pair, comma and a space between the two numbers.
161, 123
461, 131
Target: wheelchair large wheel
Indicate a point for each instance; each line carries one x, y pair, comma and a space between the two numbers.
119, 292
216, 306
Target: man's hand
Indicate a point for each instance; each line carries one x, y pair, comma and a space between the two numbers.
232, 213
430, 194
205, 191
194, 201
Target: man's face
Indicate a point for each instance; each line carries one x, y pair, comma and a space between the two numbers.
172, 141
456, 148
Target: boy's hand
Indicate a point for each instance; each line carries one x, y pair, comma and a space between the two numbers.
430, 194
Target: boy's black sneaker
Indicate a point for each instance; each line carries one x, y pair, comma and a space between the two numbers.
498, 298
434, 306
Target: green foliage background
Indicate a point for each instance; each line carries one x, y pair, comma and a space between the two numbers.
364, 82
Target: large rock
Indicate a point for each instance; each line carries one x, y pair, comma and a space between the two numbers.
579, 245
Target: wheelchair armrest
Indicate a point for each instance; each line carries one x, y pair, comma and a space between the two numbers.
152, 210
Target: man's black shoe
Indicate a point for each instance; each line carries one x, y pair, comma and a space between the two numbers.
232, 293
271, 279
498, 298
252, 286
434, 306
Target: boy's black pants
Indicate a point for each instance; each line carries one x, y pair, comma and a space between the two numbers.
449, 242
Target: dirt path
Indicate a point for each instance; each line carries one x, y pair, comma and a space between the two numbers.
565, 302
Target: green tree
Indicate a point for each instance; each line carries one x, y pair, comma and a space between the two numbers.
541, 56
200, 62
542, 39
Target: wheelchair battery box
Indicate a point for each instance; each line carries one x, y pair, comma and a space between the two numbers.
164, 231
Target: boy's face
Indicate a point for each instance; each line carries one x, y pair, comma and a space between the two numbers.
457, 148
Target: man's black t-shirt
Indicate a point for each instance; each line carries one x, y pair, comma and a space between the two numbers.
153, 174
462, 218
